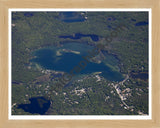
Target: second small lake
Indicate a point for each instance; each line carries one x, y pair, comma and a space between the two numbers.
79, 35
38, 105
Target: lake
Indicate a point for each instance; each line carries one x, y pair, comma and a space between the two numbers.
141, 23
70, 17
79, 35
68, 56
139, 75
38, 105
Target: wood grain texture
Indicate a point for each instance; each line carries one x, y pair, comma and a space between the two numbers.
6, 4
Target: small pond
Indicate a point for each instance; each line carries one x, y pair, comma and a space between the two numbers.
38, 105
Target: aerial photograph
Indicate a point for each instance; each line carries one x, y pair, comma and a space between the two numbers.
79, 62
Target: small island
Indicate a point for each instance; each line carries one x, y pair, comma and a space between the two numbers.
59, 52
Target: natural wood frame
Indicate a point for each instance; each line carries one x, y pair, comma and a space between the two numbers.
4, 7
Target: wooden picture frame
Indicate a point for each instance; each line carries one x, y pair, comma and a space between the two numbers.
4, 63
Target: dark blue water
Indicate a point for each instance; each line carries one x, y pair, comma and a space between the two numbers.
141, 23
70, 17
133, 19
15, 82
140, 75
67, 61
79, 35
28, 14
109, 27
111, 18
38, 105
